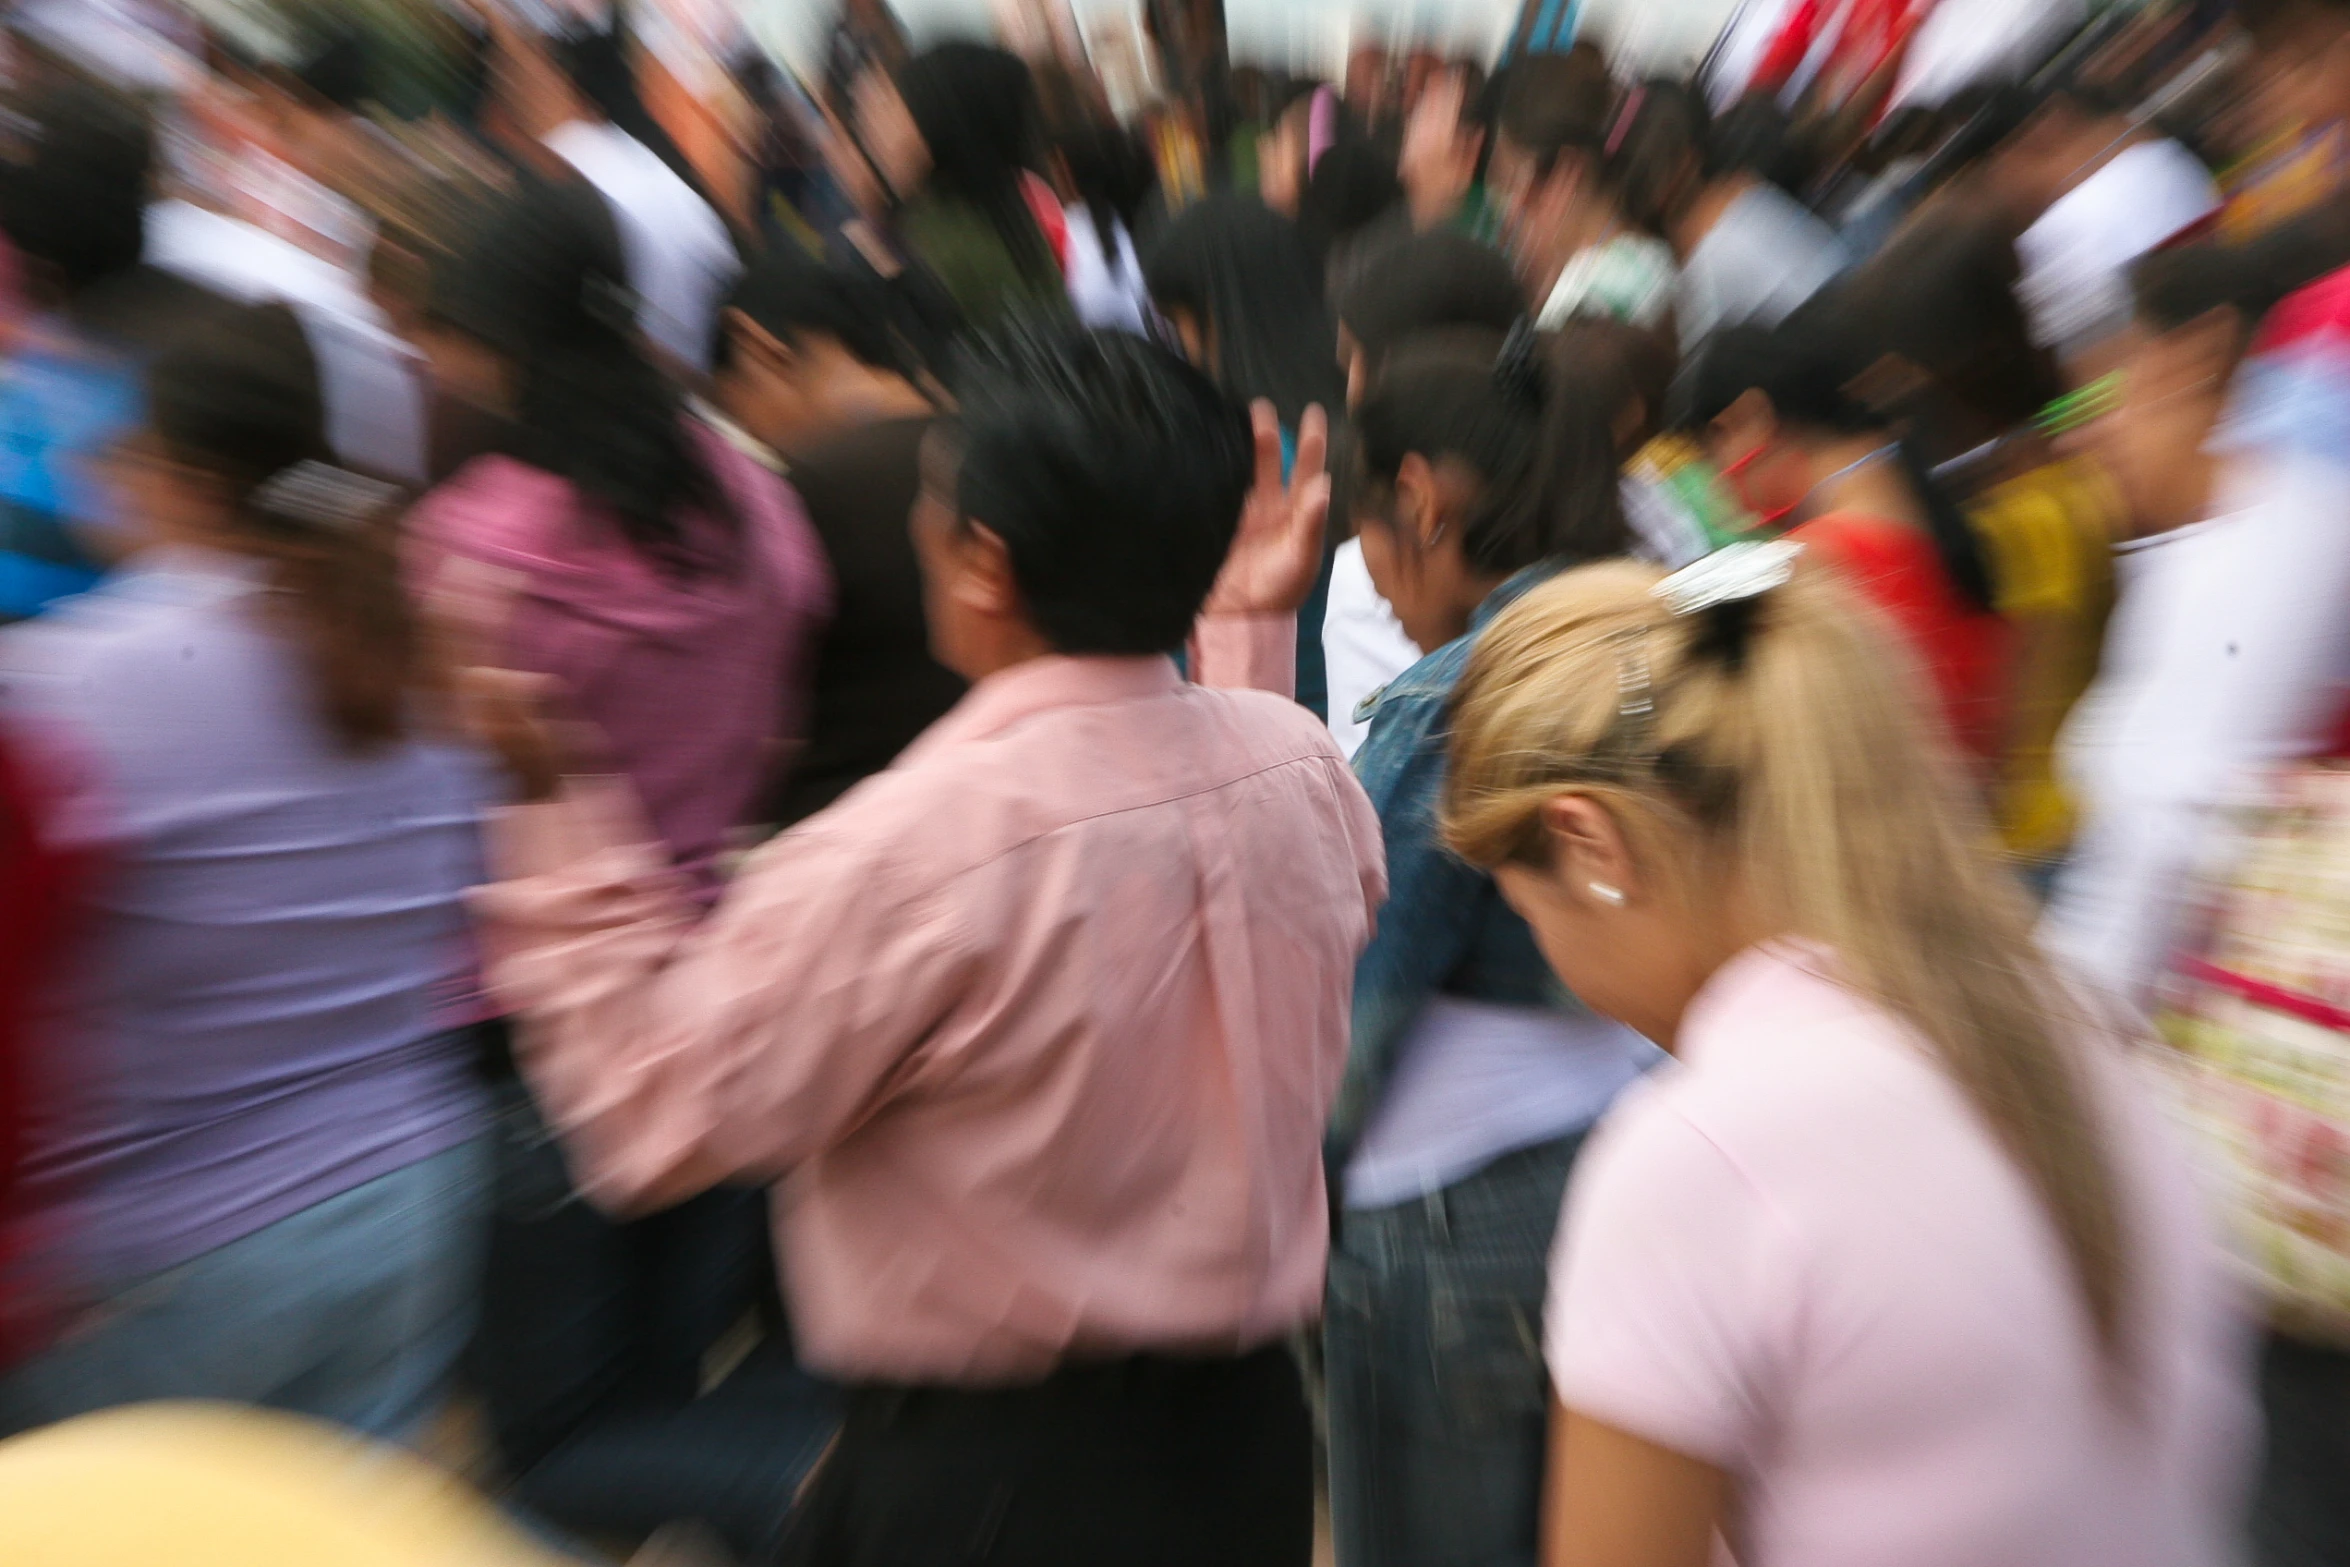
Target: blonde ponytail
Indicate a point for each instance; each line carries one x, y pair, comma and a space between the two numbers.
1796, 766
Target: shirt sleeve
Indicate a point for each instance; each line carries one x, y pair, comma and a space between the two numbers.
673, 1055
1668, 1290
1246, 653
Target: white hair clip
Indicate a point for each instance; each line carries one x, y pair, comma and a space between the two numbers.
1730, 575
321, 495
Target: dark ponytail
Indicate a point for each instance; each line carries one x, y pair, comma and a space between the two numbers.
237, 400
1532, 426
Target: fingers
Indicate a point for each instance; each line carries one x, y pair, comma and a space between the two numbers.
1313, 448
1267, 425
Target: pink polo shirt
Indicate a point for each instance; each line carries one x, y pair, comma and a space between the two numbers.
1798, 1254
1042, 1023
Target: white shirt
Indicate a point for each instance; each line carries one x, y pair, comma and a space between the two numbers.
681, 260
1762, 259
372, 382
1107, 296
2076, 259
1363, 645
2229, 650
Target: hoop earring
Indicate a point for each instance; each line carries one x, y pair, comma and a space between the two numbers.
1613, 897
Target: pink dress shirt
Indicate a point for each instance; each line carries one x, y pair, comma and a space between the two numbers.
1798, 1254
1041, 1024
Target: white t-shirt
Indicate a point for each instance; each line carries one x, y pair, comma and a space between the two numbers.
371, 382
2076, 258
680, 259
1363, 645
1106, 297
1762, 259
2228, 650
1799, 1255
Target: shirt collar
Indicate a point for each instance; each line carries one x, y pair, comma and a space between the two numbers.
1038, 685
737, 437
1512, 590
1753, 994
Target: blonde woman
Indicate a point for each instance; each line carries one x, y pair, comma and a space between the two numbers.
1892, 1264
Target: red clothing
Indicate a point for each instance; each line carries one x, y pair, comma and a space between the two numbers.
40, 878
1964, 650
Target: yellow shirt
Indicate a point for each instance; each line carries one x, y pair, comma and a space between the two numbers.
216, 1485
2050, 535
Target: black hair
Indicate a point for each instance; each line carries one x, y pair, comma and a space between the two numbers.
1114, 473
976, 107
1425, 282
1941, 294
1535, 428
236, 398
1353, 184
1554, 104
2174, 288
78, 201
787, 294
1246, 271
545, 283
339, 69
1113, 174
1655, 150
1806, 368
1755, 136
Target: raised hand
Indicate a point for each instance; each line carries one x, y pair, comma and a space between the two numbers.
1277, 552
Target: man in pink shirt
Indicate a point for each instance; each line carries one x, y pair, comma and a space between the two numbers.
1038, 1028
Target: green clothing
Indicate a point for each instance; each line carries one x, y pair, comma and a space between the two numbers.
971, 258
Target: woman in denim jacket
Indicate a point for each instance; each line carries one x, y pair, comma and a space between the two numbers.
1485, 466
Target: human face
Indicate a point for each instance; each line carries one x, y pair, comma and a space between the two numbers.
891, 138
1410, 533
1625, 938
2173, 387
1438, 161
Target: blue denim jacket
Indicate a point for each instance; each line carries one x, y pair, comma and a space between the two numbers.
1445, 929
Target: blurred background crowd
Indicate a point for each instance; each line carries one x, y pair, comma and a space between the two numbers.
345, 345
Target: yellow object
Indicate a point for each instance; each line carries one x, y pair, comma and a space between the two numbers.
218, 1485
2050, 534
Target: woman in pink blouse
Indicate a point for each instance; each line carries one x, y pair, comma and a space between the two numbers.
1894, 1264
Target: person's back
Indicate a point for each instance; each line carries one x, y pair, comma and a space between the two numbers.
279, 914
1927, 1352
273, 1110
688, 680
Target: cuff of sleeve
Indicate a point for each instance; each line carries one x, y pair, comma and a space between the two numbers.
589, 816
1251, 652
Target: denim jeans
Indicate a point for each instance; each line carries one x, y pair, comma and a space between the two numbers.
2301, 1512
354, 1310
591, 1354
1432, 1338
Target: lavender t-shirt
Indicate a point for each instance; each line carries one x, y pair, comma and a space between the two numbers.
1798, 1255
252, 1028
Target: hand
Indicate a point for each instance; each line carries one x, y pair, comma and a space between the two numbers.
506, 711
1277, 552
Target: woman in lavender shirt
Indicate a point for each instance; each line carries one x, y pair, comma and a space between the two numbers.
270, 1191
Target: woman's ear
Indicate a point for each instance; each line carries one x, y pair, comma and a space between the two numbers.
1589, 850
1419, 505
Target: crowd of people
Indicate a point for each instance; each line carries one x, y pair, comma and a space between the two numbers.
1440, 817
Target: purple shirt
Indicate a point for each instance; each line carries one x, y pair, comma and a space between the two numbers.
688, 682
275, 920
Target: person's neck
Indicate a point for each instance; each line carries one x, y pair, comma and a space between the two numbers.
1593, 224
1734, 933
1705, 210
1001, 646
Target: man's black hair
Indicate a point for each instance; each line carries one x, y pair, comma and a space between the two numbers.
78, 202
1114, 473
788, 295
